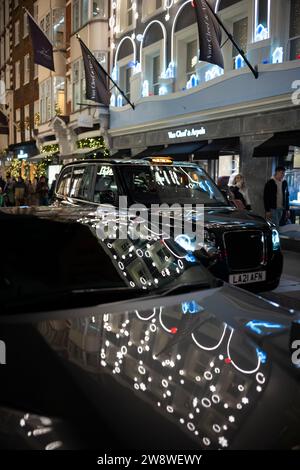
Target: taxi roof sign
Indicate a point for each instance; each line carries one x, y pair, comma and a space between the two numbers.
161, 160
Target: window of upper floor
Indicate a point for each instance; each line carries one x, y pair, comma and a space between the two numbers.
26, 69
45, 25
58, 28
151, 7
294, 33
17, 75
2, 17
18, 125
152, 60
27, 122
78, 83
262, 13
25, 25
186, 55
126, 10
2, 52
80, 13
99, 9
7, 2
52, 98
53, 25
17, 32
124, 75
45, 94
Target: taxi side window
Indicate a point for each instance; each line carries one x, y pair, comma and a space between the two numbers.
81, 182
106, 189
65, 182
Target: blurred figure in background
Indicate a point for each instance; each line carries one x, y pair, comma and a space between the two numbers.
238, 188
42, 191
20, 192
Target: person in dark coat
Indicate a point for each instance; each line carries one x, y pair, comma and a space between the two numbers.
276, 197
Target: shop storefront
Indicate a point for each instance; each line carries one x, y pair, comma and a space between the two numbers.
218, 156
252, 144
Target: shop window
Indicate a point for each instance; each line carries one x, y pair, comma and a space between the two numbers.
295, 30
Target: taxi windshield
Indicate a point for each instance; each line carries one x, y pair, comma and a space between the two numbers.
170, 184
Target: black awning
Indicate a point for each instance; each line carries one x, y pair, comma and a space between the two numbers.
152, 150
122, 153
217, 147
181, 150
28, 147
278, 145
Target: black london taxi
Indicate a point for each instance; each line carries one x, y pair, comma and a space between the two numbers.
103, 350
239, 247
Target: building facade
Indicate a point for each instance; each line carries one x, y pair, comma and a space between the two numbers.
70, 124
20, 78
196, 110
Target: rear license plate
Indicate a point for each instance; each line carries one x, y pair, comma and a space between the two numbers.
248, 278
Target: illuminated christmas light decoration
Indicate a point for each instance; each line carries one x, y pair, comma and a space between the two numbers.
253, 371
210, 348
193, 82
239, 62
258, 326
213, 72
145, 88
277, 56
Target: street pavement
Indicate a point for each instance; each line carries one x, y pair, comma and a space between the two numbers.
288, 292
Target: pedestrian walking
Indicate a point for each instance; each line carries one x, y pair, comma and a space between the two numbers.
276, 198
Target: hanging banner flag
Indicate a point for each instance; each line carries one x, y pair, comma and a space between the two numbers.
96, 77
210, 34
42, 47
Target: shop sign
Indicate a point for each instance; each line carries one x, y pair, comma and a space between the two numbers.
180, 134
22, 155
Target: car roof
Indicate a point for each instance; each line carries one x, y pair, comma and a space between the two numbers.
112, 161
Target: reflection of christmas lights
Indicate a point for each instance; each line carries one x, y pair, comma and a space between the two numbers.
263, 328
